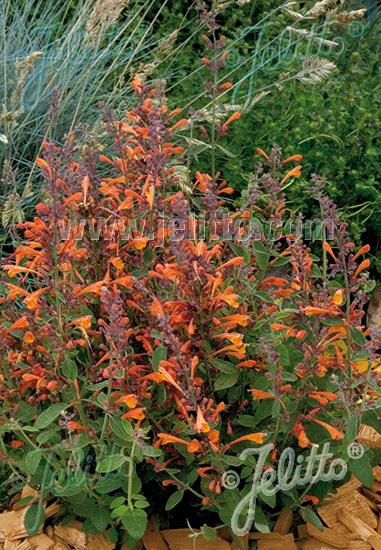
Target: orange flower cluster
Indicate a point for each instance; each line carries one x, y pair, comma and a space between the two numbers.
205, 346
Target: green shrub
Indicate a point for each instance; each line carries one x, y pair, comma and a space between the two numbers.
335, 124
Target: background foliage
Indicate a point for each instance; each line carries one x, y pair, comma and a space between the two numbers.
335, 124
88, 55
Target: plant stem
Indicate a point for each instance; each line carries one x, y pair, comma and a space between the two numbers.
130, 476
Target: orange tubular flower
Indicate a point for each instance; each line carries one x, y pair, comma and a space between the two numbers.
363, 250
206, 471
206, 61
260, 394
249, 364
301, 435
175, 112
234, 116
225, 86
339, 358
192, 446
262, 153
364, 265
254, 438
130, 400
234, 261
203, 181
81, 322
179, 124
16, 443
296, 158
311, 498
19, 324
135, 414
201, 425
29, 337
16, 291
290, 332
338, 297
311, 310
228, 297
323, 397
274, 281
140, 242
167, 377
279, 326
335, 434
31, 301
328, 249
94, 288
72, 425
294, 173
14, 270
231, 321
137, 83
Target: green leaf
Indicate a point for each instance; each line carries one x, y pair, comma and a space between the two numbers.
119, 428
32, 460
135, 523
270, 500
240, 251
98, 385
357, 336
156, 334
68, 489
262, 296
281, 261
159, 354
148, 256
174, 500
23, 502
112, 535
372, 418
49, 415
141, 504
69, 369
261, 255
246, 420
276, 409
151, 451
108, 484
362, 469
34, 518
260, 521
224, 380
45, 436
118, 501
100, 518
110, 463
119, 511
208, 533
289, 376
310, 516
226, 152
223, 366
351, 430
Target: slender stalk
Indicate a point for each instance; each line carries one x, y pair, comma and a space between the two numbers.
131, 476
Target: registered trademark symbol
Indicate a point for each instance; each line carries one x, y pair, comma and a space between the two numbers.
356, 29
355, 450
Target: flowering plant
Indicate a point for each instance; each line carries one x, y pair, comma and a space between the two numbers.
149, 334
